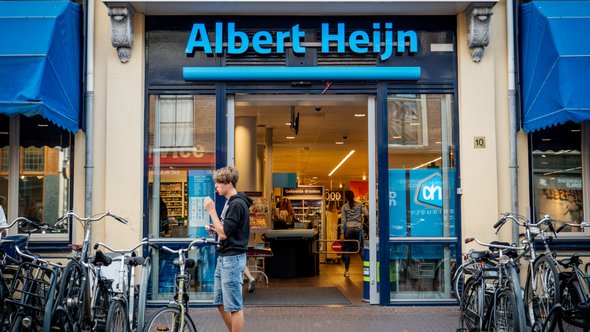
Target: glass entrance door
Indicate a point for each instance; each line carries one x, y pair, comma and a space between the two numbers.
421, 173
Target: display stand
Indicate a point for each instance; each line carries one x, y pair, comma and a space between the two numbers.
258, 250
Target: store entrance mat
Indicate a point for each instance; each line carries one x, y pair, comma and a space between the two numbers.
296, 296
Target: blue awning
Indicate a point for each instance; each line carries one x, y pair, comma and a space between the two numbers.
555, 63
40, 60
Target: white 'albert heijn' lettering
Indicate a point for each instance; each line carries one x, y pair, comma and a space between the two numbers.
265, 42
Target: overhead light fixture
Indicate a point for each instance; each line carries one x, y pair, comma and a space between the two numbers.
544, 156
428, 163
42, 125
438, 142
290, 137
339, 142
359, 115
575, 130
546, 139
396, 137
341, 162
364, 177
287, 123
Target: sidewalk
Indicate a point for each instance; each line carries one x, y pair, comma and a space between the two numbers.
335, 319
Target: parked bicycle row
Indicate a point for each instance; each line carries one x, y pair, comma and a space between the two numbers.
555, 294
40, 295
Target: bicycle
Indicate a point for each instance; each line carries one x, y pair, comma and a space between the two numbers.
542, 281
123, 315
464, 271
174, 316
83, 292
575, 289
499, 302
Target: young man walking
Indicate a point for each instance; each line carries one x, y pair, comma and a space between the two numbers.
233, 230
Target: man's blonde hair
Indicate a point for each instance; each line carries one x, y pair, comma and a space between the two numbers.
225, 175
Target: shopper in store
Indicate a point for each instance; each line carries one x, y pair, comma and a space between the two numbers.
352, 227
286, 212
233, 231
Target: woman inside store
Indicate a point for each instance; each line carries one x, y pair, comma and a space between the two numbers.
286, 212
352, 228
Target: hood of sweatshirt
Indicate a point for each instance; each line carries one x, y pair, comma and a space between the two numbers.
243, 197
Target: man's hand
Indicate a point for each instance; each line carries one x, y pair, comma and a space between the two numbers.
209, 204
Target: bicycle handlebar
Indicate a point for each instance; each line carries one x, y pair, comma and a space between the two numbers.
491, 245
581, 225
190, 246
36, 259
122, 251
93, 218
524, 222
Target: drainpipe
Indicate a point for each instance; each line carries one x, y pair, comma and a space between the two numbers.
514, 126
89, 107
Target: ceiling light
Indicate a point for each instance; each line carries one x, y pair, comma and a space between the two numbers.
428, 163
544, 163
546, 139
438, 142
544, 156
414, 123
359, 115
287, 123
290, 137
364, 177
396, 137
42, 125
339, 142
575, 130
340, 185
341, 162
3, 133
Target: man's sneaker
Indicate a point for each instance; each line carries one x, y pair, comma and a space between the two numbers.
251, 286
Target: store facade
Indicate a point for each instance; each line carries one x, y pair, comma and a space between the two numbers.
435, 108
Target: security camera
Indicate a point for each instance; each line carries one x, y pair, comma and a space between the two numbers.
318, 108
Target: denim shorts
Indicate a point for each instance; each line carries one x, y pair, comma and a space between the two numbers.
227, 288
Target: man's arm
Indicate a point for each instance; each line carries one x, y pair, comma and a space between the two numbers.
210, 207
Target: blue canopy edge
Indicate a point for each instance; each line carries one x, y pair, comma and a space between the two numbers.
40, 60
555, 62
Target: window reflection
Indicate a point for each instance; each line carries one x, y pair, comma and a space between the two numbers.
557, 174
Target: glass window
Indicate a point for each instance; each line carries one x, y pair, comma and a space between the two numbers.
557, 174
43, 192
421, 271
181, 164
421, 194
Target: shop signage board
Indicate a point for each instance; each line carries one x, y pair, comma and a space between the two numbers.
381, 39
303, 191
200, 185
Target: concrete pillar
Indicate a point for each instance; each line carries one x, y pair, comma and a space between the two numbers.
268, 163
260, 167
245, 145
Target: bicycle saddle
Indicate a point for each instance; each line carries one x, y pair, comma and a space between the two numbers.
101, 259
572, 261
134, 261
75, 247
189, 263
479, 255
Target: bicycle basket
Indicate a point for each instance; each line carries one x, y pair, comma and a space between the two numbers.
33, 287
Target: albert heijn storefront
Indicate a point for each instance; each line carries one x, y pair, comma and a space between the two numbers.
199, 68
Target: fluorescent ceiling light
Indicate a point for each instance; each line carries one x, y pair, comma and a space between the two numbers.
359, 115
287, 123
427, 163
290, 137
339, 142
341, 162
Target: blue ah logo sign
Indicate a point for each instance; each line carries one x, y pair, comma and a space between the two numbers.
430, 191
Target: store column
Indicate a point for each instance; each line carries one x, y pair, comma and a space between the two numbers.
245, 145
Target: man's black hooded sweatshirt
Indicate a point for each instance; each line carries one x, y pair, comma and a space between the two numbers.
236, 225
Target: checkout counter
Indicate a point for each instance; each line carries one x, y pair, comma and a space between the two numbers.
293, 253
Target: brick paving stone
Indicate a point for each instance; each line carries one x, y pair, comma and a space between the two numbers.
335, 319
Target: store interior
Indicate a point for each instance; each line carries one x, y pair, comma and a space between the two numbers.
309, 150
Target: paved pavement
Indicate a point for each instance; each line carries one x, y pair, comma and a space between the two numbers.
336, 319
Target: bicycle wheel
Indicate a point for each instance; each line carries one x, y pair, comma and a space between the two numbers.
71, 295
168, 319
60, 321
472, 305
575, 311
117, 319
101, 304
506, 317
516, 289
143, 291
542, 295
